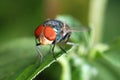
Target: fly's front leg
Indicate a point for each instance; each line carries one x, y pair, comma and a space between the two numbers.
38, 50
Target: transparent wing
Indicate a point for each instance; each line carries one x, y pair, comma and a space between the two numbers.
79, 29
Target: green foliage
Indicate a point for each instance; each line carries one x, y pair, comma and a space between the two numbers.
15, 56
19, 59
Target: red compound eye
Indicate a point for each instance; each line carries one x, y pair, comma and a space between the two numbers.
38, 31
49, 33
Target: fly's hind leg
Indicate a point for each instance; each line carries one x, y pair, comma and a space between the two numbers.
62, 49
64, 40
66, 37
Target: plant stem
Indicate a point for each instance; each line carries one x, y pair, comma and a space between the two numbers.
96, 18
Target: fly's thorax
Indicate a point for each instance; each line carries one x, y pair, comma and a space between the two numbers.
62, 33
56, 24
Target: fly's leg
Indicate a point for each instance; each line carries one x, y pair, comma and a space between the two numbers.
66, 37
71, 43
64, 41
38, 50
52, 50
67, 43
62, 49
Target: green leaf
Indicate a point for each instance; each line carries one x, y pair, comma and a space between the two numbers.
15, 56
19, 60
106, 71
113, 53
109, 64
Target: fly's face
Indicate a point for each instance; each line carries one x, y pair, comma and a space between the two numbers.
45, 34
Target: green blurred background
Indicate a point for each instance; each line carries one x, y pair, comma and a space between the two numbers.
19, 18
111, 25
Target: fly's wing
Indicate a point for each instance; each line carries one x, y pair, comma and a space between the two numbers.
74, 24
80, 34
66, 32
79, 29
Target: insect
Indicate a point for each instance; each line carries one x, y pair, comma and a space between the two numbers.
52, 32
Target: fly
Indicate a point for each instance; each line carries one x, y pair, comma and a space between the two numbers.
52, 32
